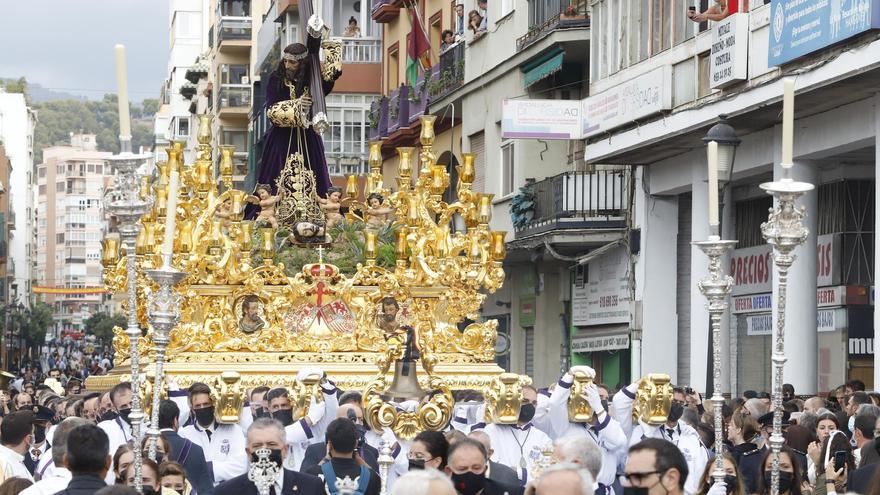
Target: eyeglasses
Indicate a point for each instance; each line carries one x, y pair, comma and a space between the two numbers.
638, 478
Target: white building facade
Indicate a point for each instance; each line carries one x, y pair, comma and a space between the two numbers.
17, 122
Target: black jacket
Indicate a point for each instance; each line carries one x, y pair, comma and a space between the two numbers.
502, 474
83, 484
495, 488
859, 481
192, 458
316, 452
294, 484
349, 468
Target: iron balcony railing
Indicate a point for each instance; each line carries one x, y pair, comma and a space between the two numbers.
378, 124
398, 108
233, 28
579, 200
361, 50
547, 16
448, 74
234, 95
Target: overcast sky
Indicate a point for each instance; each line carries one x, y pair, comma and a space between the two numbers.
67, 45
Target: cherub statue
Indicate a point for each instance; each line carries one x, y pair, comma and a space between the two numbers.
377, 215
267, 202
224, 213
331, 206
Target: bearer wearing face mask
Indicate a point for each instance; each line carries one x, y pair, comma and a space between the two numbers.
223, 444
42, 417
604, 430
467, 463
118, 428
518, 446
266, 433
256, 407
679, 433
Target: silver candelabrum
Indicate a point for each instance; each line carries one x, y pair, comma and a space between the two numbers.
716, 288
385, 461
784, 230
124, 202
164, 313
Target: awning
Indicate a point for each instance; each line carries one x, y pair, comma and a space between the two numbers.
543, 67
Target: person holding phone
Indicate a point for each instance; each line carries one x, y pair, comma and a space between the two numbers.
838, 462
716, 12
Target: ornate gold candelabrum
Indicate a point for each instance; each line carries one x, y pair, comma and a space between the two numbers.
785, 231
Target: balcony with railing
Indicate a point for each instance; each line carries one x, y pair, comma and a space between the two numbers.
448, 74
234, 34
385, 10
378, 124
591, 199
418, 99
546, 17
361, 50
234, 100
398, 109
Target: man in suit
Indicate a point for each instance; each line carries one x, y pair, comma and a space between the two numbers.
317, 452
269, 433
466, 465
183, 451
497, 471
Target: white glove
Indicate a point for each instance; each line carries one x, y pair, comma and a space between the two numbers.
567, 379
718, 488
591, 393
316, 411
590, 372
304, 373
409, 405
389, 437
315, 26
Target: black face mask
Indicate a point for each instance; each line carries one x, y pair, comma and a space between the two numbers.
526, 413
259, 412
605, 405
39, 434
675, 412
416, 464
205, 415
148, 490
285, 416
635, 490
274, 456
158, 458
108, 416
785, 479
123, 413
468, 483
730, 481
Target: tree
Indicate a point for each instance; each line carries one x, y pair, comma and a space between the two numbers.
150, 106
19, 86
34, 323
101, 325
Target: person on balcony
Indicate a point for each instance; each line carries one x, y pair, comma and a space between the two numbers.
459, 19
291, 138
448, 39
476, 24
717, 12
352, 31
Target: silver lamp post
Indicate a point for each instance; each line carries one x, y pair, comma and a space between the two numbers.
716, 289
717, 285
784, 230
385, 461
164, 313
124, 202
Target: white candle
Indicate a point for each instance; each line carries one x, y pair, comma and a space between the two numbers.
122, 93
712, 155
787, 122
171, 214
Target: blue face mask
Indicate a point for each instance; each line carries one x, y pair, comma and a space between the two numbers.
851, 425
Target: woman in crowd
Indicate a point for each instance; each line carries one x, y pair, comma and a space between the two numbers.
732, 477
172, 477
742, 431
162, 448
830, 479
428, 450
790, 481
123, 458
149, 477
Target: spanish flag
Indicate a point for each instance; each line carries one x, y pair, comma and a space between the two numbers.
418, 50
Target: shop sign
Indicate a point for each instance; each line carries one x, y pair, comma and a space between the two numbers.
730, 51
761, 324
799, 27
631, 100
752, 268
755, 303
527, 310
605, 299
596, 344
827, 320
541, 119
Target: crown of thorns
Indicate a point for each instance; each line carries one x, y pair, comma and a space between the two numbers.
295, 57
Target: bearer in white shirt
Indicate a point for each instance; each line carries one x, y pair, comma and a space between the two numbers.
224, 444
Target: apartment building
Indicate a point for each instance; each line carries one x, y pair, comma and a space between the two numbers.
70, 227
7, 225
659, 82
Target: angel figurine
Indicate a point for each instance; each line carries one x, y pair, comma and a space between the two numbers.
266, 202
377, 214
331, 206
224, 213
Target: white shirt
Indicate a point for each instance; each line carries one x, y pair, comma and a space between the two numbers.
513, 444
118, 432
686, 438
50, 484
14, 464
225, 451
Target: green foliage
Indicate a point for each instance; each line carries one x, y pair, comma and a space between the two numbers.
17, 86
57, 119
346, 251
522, 207
101, 325
33, 323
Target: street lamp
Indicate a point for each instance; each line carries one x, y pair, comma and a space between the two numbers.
723, 134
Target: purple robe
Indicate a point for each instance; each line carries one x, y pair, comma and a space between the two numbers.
284, 141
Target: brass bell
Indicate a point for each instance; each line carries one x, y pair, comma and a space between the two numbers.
405, 384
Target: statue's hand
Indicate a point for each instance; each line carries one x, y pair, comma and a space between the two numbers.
306, 101
315, 26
